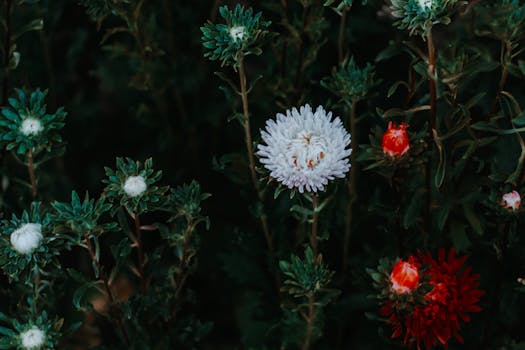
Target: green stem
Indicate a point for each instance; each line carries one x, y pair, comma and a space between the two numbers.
351, 186
315, 224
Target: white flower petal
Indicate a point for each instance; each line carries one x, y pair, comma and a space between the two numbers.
304, 148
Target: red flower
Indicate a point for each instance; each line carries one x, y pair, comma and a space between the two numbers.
395, 140
454, 295
404, 276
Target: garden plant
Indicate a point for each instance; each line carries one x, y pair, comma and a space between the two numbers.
262, 175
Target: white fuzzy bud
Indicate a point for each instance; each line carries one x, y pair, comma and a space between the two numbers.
26, 238
511, 200
33, 338
135, 186
237, 33
31, 126
425, 4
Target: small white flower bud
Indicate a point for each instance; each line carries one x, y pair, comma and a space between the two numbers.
511, 200
425, 4
33, 338
135, 186
26, 238
31, 126
237, 33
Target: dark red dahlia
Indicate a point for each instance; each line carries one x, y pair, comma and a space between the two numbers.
454, 295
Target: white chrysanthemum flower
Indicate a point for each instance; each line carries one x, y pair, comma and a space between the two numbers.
425, 4
135, 186
31, 126
304, 149
33, 338
237, 33
26, 238
511, 200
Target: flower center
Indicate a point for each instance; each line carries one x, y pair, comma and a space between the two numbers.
237, 33
307, 150
31, 126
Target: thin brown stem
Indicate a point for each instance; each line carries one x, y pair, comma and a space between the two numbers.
499, 272
351, 186
31, 171
315, 224
249, 150
310, 322
506, 51
7, 50
341, 37
46, 53
300, 53
36, 288
215, 10
114, 310
432, 128
284, 51
396, 183
140, 253
411, 87
432, 79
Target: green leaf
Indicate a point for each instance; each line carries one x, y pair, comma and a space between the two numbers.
36, 24
81, 293
459, 236
439, 177
442, 215
413, 209
519, 120
301, 210
473, 219
396, 85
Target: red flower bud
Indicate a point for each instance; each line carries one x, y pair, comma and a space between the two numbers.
404, 277
395, 140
